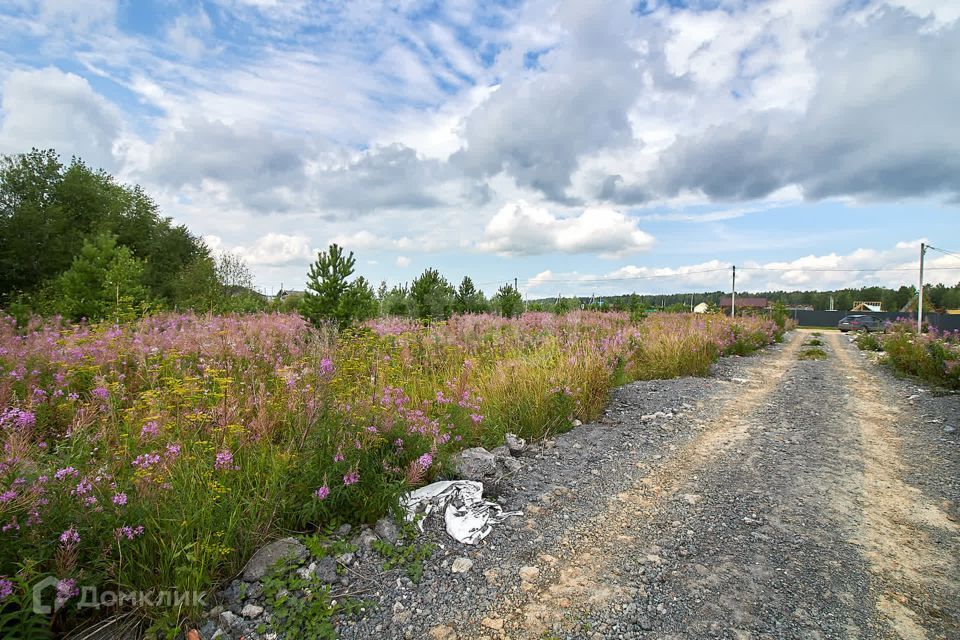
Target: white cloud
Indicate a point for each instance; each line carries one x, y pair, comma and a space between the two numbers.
523, 229
270, 250
862, 267
48, 108
403, 261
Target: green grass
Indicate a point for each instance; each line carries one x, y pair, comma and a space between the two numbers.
813, 354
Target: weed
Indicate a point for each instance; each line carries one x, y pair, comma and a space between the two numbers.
813, 354
408, 557
868, 341
301, 607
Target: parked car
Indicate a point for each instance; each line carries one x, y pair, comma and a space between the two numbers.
860, 323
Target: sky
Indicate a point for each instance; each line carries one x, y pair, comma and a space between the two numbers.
581, 147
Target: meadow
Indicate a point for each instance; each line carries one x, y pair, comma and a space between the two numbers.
161, 453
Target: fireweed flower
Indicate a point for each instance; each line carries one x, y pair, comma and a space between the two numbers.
351, 478
322, 492
101, 393
149, 430
69, 537
83, 488
66, 471
128, 532
326, 366
146, 460
7, 496
173, 450
224, 460
119, 499
66, 589
425, 461
6, 588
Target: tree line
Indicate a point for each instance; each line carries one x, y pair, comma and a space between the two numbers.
936, 297
76, 242
332, 297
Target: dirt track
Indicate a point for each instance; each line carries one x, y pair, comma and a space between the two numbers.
785, 499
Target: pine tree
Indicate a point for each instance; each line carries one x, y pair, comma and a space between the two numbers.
326, 285
330, 297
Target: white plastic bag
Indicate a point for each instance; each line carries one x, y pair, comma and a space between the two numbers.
468, 517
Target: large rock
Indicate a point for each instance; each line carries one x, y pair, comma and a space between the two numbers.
387, 529
365, 539
476, 464
515, 443
326, 570
266, 557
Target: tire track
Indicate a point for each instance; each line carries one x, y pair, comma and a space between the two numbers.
911, 544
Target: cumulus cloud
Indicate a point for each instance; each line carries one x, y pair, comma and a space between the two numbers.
880, 125
270, 250
259, 168
384, 177
535, 127
522, 229
862, 267
403, 261
48, 108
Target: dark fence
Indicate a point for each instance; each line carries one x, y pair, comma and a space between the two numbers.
941, 321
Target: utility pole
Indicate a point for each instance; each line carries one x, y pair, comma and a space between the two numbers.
923, 251
515, 287
733, 300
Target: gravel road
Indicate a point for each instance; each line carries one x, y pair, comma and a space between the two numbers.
783, 498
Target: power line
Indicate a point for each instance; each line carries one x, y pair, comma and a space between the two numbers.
868, 269
949, 253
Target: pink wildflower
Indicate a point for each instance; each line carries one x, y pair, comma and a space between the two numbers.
66, 589
66, 471
351, 478
6, 588
224, 461
322, 492
425, 461
146, 460
69, 537
149, 430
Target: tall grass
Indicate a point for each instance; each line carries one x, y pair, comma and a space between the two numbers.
162, 453
933, 356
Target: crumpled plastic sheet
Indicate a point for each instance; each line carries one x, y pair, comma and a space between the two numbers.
468, 517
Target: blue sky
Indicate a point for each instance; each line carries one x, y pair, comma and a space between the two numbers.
580, 147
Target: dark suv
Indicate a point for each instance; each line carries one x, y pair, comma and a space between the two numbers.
860, 323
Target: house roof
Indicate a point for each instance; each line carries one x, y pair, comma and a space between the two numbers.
759, 303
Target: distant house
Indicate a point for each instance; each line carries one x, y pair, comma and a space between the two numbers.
745, 304
283, 294
874, 307
701, 308
799, 307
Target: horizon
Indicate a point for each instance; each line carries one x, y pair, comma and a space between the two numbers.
579, 150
